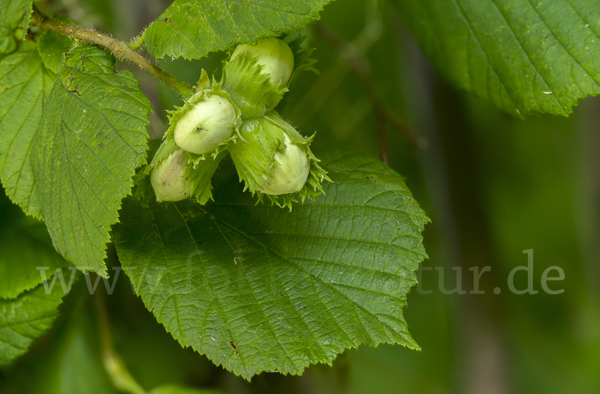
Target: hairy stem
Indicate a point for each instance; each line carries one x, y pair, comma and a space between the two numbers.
137, 42
118, 48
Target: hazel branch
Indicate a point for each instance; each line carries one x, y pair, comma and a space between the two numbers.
118, 48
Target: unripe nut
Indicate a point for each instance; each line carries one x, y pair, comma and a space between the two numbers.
275, 57
168, 178
206, 125
291, 172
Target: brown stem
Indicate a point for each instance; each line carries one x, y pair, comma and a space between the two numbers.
361, 68
117, 47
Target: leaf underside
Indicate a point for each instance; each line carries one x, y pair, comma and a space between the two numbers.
525, 56
91, 139
258, 288
192, 29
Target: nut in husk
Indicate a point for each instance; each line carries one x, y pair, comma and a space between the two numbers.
274, 56
205, 123
273, 159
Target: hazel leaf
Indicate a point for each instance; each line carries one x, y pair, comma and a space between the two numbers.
25, 85
26, 248
257, 288
91, 139
524, 56
192, 29
25, 318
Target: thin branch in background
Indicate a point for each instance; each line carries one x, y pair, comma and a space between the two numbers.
319, 92
116, 369
361, 67
118, 48
382, 134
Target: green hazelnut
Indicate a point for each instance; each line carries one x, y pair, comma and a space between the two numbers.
271, 159
206, 125
169, 179
290, 171
275, 57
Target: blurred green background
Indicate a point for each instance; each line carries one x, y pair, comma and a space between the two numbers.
493, 186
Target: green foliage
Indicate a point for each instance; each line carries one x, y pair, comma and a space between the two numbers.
25, 245
192, 29
71, 363
91, 139
25, 318
13, 14
26, 309
524, 56
254, 287
24, 85
257, 288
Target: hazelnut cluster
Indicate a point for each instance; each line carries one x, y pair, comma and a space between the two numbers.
236, 116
